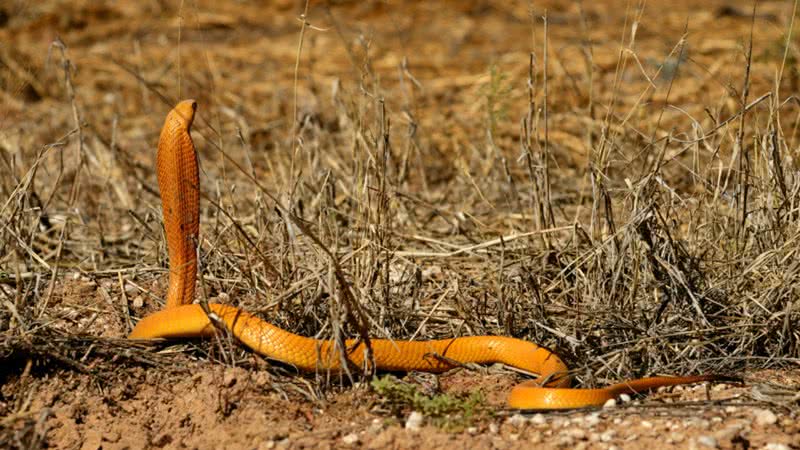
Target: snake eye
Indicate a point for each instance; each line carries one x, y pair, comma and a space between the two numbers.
194, 106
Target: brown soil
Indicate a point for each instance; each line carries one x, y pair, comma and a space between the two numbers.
214, 407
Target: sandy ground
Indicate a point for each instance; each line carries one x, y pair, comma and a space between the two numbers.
216, 407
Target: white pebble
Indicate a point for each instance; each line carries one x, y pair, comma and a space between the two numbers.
708, 441
414, 421
493, 428
377, 425
675, 438
610, 403
350, 439
517, 420
765, 417
578, 434
624, 398
775, 446
538, 419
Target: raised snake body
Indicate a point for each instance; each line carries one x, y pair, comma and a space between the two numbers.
179, 183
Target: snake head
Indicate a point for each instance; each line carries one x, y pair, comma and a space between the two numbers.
184, 112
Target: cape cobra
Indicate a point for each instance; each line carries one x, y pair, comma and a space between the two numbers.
179, 183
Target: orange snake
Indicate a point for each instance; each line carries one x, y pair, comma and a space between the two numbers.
179, 183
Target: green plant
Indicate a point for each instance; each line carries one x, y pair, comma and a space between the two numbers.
442, 410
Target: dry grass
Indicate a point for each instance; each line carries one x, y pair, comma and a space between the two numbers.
627, 197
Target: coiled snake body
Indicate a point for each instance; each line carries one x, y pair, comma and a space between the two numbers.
179, 183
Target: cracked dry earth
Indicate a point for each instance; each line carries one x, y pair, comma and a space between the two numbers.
209, 406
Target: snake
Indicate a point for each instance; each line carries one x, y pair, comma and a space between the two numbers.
178, 180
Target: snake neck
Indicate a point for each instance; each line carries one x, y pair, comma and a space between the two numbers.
178, 180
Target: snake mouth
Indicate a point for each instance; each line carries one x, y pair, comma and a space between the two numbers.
185, 111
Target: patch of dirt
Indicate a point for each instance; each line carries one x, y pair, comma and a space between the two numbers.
210, 406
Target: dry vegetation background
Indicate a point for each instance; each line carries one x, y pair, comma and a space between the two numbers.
626, 194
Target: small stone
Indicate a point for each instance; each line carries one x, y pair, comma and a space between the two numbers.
538, 419
775, 446
517, 420
138, 301
514, 436
472, 430
729, 432
765, 417
607, 436
376, 426
566, 441
646, 424
493, 428
592, 419
624, 398
350, 439
578, 434
708, 441
677, 437
731, 409
610, 403
414, 421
